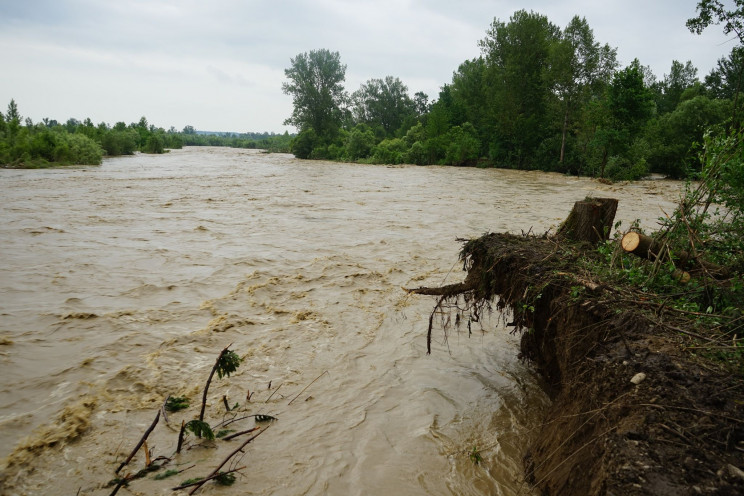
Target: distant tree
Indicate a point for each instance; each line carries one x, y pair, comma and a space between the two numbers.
580, 69
360, 142
468, 92
420, 103
189, 130
680, 78
318, 96
13, 115
517, 54
725, 79
382, 104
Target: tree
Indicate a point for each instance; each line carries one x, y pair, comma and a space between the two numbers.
468, 92
383, 104
714, 12
318, 96
421, 103
580, 69
680, 78
13, 115
517, 54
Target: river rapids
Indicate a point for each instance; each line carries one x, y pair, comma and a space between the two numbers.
120, 284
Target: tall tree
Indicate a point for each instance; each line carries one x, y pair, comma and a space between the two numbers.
580, 69
725, 80
517, 54
13, 114
680, 77
316, 86
382, 104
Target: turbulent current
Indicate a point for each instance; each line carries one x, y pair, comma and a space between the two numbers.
120, 284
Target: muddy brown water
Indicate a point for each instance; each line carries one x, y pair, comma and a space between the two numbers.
120, 284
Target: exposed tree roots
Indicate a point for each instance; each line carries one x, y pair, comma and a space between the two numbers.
633, 412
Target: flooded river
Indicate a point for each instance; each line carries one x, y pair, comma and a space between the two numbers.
120, 284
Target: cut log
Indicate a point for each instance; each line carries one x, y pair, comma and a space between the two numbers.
647, 247
590, 220
641, 245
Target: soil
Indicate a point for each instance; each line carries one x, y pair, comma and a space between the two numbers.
634, 410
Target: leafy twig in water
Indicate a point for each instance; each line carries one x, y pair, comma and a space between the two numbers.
227, 459
227, 363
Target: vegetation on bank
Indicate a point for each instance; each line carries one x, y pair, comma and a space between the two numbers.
25, 144
538, 97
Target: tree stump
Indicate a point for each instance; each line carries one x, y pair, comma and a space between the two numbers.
590, 220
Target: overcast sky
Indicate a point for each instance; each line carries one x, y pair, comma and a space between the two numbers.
219, 64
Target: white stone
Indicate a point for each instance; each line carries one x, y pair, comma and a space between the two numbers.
638, 378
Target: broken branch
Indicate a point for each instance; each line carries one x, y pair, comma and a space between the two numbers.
140, 443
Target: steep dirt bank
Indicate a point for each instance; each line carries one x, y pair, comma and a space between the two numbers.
634, 410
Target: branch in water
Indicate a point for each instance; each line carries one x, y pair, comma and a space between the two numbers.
448, 290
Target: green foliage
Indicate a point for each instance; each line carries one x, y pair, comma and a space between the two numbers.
192, 481
383, 104
316, 86
389, 151
154, 144
228, 363
120, 142
166, 474
225, 479
360, 142
463, 145
675, 135
304, 143
176, 403
223, 433
200, 429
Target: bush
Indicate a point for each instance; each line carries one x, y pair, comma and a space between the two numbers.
303, 144
117, 142
154, 144
360, 142
389, 151
464, 146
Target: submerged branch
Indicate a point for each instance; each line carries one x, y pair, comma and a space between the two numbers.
446, 291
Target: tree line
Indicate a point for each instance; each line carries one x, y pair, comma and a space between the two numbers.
538, 97
26, 144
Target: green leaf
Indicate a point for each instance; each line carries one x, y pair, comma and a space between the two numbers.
176, 403
166, 474
225, 479
228, 363
200, 429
